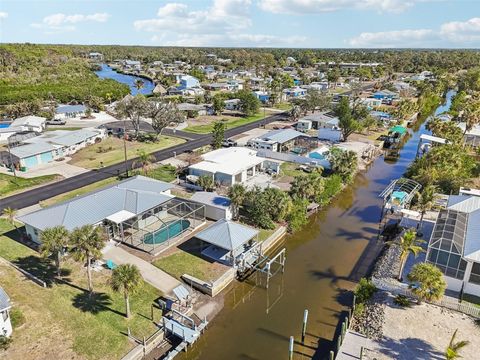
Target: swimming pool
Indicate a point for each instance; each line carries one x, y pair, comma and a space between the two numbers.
4, 125
167, 231
316, 155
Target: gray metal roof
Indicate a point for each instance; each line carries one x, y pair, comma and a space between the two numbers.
4, 300
75, 137
25, 151
212, 199
283, 135
62, 109
227, 234
135, 195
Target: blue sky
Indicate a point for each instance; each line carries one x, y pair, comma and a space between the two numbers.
240, 23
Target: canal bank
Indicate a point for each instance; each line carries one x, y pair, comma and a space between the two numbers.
324, 261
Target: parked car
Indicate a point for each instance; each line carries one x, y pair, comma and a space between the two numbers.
229, 143
55, 122
305, 168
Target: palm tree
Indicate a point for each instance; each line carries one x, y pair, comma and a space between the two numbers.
426, 201
409, 244
144, 160
236, 194
139, 83
427, 282
54, 241
126, 278
453, 348
10, 214
87, 241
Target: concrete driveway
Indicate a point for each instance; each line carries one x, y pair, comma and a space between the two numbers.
151, 274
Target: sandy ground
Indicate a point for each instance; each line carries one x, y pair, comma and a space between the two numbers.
423, 332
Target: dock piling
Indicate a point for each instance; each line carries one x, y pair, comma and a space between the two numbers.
304, 325
290, 348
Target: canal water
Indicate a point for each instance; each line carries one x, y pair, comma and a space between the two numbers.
106, 72
324, 260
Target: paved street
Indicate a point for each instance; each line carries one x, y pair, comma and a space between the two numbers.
32, 197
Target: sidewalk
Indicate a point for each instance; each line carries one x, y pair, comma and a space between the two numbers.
151, 274
352, 345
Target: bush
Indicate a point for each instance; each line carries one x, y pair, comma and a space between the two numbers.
359, 310
364, 291
332, 186
17, 317
402, 300
4, 342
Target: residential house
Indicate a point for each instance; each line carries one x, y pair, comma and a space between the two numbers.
139, 211
95, 56
386, 95
472, 136
327, 125
187, 82
296, 92
232, 104
30, 123
50, 146
282, 140
5, 306
454, 246
263, 96
194, 109
132, 65
228, 166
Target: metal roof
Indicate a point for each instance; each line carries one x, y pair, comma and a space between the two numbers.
4, 300
135, 195
227, 234
282, 136
212, 199
25, 151
74, 137
29, 120
62, 109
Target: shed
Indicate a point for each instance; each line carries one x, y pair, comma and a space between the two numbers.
217, 207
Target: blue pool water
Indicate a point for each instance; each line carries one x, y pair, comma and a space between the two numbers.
167, 231
316, 155
4, 126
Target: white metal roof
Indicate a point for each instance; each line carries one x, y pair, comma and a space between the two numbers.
229, 161
433, 138
120, 216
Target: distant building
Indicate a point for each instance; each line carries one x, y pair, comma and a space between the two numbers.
69, 111
95, 56
263, 96
187, 82
232, 104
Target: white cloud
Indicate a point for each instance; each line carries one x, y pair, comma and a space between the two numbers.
461, 32
321, 6
390, 39
452, 34
62, 22
3, 15
223, 23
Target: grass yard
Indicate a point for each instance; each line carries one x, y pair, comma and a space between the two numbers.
290, 169
10, 185
163, 173
80, 191
283, 106
264, 234
110, 151
230, 123
62, 321
183, 262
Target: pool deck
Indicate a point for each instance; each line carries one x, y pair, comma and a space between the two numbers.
151, 274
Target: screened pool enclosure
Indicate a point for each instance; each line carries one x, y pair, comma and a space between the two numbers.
157, 228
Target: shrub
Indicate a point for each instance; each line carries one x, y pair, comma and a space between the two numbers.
359, 310
402, 300
332, 186
4, 342
17, 317
364, 291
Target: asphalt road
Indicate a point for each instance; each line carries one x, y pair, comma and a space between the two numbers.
32, 197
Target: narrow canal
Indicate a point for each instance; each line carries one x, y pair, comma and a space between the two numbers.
333, 252
106, 72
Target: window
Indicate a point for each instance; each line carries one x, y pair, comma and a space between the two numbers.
475, 274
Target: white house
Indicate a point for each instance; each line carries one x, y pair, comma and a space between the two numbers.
472, 136
229, 166
454, 246
232, 104
69, 111
327, 125
5, 306
276, 140
29, 123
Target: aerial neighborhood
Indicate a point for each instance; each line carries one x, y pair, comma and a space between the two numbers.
162, 202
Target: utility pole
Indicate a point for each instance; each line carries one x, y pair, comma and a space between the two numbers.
125, 146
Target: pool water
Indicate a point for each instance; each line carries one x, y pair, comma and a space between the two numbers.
4, 126
167, 231
316, 155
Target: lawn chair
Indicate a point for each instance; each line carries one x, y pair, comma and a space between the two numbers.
111, 265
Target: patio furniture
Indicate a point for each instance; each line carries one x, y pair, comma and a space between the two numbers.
110, 265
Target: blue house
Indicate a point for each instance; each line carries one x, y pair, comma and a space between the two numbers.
385, 95
263, 96
294, 93
187, 82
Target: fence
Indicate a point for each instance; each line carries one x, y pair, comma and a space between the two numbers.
446, 301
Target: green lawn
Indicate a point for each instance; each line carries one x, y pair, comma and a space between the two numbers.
93, 328
80, 191
183, 262
230, 123
283, 106
265, 234
110, 151
290, 169
163, 173
9, 184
